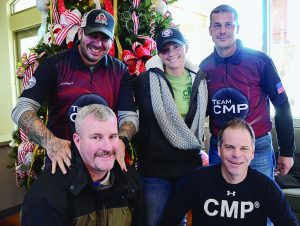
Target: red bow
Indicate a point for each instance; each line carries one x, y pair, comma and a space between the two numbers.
136, 58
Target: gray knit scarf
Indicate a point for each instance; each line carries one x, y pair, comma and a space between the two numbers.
169, 119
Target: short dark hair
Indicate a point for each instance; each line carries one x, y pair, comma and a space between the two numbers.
236, 123
225, 8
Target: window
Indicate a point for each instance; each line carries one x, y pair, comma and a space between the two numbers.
20, 5
279, 38
285, 49
194, 25
24, 41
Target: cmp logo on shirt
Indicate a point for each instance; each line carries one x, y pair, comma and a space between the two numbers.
228, 103
81, 101
235, 209
187, 93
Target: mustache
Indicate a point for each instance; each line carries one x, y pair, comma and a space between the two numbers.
223, 36
104, 153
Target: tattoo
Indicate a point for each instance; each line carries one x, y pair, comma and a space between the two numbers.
127, 129
35, 128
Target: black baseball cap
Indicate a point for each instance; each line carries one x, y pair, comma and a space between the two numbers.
98, 20
169, 35
80, 102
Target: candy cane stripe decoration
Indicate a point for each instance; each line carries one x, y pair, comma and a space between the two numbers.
136, 22
136, 3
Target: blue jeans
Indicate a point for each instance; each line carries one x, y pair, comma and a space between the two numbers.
264, 158
157, 192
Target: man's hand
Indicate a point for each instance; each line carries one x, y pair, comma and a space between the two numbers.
120, 155
59, 151
284, 164
126, 132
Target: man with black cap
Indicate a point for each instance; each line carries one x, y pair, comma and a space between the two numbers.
171, 97
64, 77
95, 191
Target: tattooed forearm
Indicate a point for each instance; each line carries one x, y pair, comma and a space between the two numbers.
127, 129
35, 128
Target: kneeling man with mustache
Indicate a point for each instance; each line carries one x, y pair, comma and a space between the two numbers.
95, 191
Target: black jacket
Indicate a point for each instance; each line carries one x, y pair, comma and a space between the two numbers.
156, 156
71, 199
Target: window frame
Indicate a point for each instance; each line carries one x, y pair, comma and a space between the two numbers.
13, 5
30, 32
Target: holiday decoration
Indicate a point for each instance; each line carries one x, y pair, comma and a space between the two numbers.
42, 6
66, 29
136, 23
140, 53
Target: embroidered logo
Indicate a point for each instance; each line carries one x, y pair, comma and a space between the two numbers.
231, 193
66, 83
167, 33
187, 93
101, 19
280, 88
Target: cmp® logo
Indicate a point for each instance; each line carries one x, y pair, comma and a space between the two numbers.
234, 209
228, 103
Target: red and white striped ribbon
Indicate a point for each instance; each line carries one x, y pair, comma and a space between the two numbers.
21, 156
129, 57
151, 42
137, 67
32, 57
28, 146
30, 63
136, 3
54, 12
19, 176
23, 172
23, 135
26, 79
24, 149
136, 22
135, 44
71, 20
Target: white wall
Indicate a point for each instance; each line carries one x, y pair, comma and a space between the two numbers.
6, 73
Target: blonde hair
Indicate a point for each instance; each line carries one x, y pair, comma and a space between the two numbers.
98, 111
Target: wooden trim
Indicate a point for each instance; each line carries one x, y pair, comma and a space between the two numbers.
12, 210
